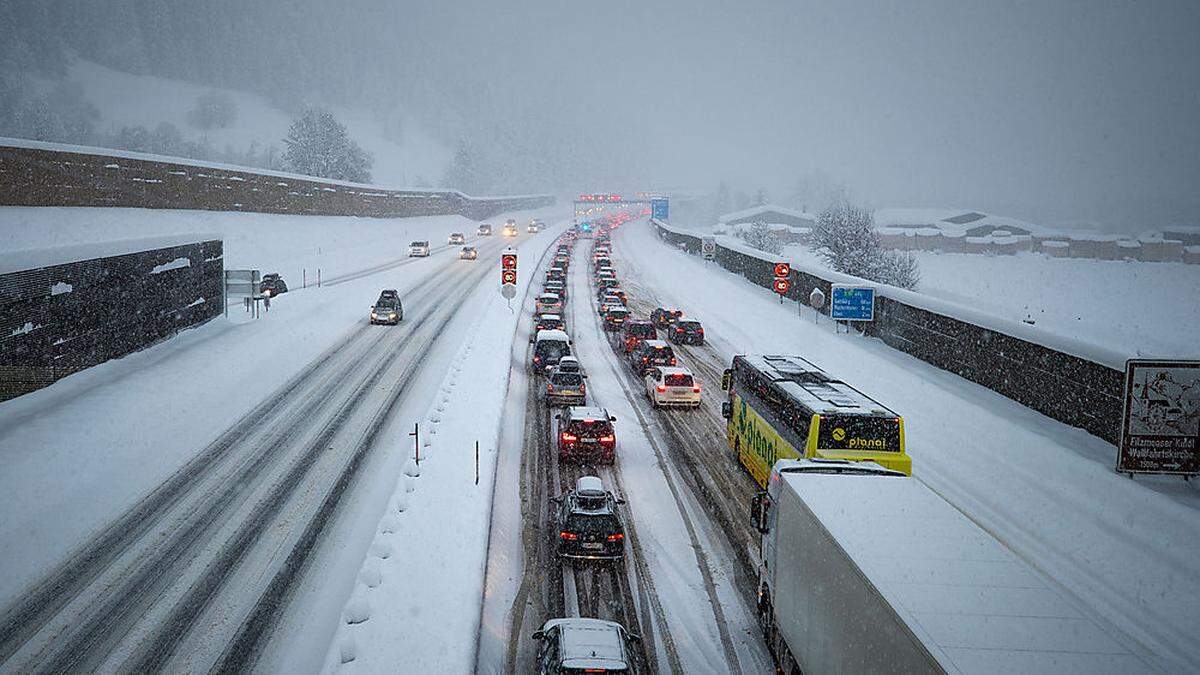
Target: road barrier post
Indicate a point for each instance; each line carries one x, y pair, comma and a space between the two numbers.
477, 462
416, 434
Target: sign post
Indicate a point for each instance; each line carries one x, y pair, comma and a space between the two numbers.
1160, 420
782, 281
660, 208
708, 247
508, 275
816, 300
852, 303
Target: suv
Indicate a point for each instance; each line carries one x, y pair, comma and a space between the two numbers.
418, 249
457, 239
671, 386
589, 526
556, 274
663, 318
565, 388
510, 228
387, 309
272, 285
583, 646
535, 226
549, 346
468, 253
634, 331
546, 322
614, 318
586, 433
686, 333
651, 353
484, 230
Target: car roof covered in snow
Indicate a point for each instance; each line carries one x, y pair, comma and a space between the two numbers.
553, 334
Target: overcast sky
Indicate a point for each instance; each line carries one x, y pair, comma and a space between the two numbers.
1049, 110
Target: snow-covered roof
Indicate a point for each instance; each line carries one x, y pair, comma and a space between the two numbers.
950, 219
31, 259
762, 210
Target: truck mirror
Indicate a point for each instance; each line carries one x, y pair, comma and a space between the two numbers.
726, 410
725, 378
759, 508
539, 635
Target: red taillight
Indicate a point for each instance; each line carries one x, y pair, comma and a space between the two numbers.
567, 536
661, 388
568, 438
608, 440
696, 389
645, 359
678, 330
620, 536
700, 331
549, 388
672, 360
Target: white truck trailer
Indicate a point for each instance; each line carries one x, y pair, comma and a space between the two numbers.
865, 570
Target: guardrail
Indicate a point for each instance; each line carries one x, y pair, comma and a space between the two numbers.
1065, 379
48, 174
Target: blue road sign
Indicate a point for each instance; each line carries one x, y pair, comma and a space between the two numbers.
659, 208
852, 303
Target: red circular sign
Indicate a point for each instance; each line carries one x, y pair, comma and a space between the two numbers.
508, 261
782, 269
508, 277
781, 286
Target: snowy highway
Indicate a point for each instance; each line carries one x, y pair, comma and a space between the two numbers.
195, 576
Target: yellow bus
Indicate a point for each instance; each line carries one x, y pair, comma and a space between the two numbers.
784, 407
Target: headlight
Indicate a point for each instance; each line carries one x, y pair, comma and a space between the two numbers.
267, 293
392, 315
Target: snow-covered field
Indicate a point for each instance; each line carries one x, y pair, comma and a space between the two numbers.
1127, 551
1141, 309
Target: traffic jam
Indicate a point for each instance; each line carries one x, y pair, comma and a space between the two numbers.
595, 573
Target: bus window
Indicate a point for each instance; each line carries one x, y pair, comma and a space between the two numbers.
859, 433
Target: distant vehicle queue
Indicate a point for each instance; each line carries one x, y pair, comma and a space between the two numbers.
778, 408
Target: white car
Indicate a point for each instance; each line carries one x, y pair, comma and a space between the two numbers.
418, 249
457, 239
672, 386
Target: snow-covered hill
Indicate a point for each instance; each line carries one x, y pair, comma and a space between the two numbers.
126, 100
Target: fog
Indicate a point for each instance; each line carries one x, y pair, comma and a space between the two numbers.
1055, 112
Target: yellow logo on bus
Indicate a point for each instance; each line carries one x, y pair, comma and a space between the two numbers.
839, 434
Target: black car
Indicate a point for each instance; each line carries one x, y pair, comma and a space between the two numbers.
686, 333
387, 309
663, 318
272, 285
589, 525
650, 353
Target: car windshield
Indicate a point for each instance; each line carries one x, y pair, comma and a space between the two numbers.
677, 380
552, 349
387, 303
641, 330
566, 380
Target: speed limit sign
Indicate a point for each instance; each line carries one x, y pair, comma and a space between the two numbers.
781, 286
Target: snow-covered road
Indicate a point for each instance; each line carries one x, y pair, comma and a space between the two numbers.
1127, 551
